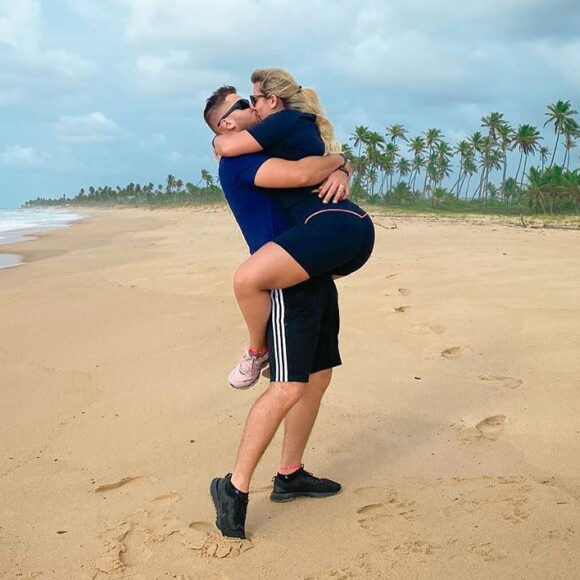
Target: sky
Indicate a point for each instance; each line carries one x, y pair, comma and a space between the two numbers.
108, 92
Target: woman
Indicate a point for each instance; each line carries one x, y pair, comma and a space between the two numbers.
322, 239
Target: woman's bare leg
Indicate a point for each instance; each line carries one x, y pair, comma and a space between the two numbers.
270, 267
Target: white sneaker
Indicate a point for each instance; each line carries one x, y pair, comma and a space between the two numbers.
247, 373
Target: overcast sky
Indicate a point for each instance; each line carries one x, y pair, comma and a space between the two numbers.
105, 92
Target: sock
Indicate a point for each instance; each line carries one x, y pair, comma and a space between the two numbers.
291, 476
232, 490
256, 352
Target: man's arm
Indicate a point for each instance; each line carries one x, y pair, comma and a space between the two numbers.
280, 174
235, 144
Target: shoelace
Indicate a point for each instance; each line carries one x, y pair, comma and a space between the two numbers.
247, 364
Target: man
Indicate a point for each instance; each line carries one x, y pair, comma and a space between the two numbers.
303, 329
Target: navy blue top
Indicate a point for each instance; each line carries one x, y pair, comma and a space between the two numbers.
259, 215
291, 135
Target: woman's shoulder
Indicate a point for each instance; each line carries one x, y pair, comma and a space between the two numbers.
290, 117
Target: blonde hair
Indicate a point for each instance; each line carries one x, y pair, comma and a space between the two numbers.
277, 81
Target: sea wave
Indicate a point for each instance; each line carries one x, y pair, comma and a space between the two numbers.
22, 220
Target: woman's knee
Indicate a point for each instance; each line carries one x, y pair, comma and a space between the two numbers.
245, 281
239, 280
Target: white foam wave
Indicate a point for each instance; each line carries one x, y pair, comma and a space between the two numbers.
31, 219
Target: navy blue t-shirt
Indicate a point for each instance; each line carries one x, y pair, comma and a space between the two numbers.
291, 135
258, 213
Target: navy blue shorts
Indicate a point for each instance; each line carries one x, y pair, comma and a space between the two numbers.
329, 238
303, 330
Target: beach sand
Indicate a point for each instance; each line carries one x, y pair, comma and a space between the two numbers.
452, 425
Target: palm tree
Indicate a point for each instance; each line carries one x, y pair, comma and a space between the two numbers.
396, 131
505, 133
360, 137
391, 153
477, 142
432, 136
169, 184
526, 138
544, 153
559, 113
403, 167
536, 188
464, 150
571, 131
374, 145
417, 146
417, 165
493, 122
207, 177
491, 161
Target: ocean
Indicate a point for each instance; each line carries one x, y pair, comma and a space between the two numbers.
18, 225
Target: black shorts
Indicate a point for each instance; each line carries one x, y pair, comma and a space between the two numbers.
303, 330
332, 239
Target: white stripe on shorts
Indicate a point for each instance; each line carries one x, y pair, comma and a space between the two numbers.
279, 336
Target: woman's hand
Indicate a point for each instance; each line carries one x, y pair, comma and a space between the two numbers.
334, 188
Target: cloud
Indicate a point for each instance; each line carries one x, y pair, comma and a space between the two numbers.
20, 26
156, 141
58, 160
559, 57
90, 128
151, 64
20, 156
175, 157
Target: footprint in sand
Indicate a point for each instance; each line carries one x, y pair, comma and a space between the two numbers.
502, 382
416, 547
492, 427
422, 328
373, 517
335, 574
405, 292
389, 276
214, 545
487, 551
452, 352
401, 309
122, 482
167, 498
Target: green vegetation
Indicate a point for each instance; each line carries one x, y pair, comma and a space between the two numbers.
174, 192
385, 176
476, 168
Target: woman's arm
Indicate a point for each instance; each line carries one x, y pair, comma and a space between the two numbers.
279, 173
235, 144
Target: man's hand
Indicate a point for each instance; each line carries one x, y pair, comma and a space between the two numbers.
334, 188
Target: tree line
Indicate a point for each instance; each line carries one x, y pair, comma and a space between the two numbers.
475, 170
396, 169
173, 191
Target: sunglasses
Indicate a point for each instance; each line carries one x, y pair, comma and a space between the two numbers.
240, 105
254, 98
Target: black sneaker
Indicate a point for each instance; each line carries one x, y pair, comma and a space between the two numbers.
302, 484
230, 510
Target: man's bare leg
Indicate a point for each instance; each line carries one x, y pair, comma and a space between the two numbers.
263, 420
301, 417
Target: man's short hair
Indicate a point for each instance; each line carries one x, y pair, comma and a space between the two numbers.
215, 101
